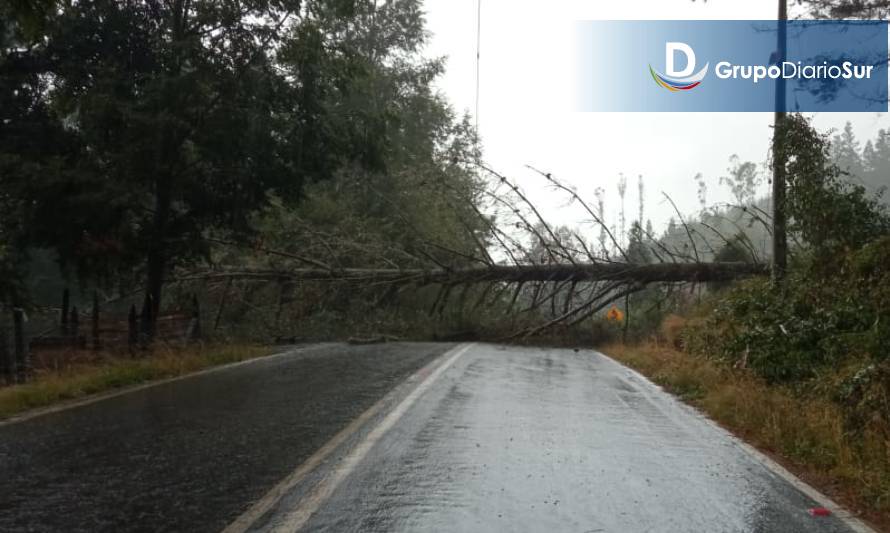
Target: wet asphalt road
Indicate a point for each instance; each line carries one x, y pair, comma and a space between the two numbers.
192, 454
483, 439
523, 439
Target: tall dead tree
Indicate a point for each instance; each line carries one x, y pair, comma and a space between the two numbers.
622, 218
601, 211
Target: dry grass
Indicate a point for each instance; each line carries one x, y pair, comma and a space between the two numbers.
672, 330
804, 433
117, 371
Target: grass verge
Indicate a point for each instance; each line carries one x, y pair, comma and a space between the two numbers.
805, 434
112, 372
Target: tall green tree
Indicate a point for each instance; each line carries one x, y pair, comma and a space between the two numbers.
175, 118
865, 9
828, 212
847, 153
638, 251
876, 164
31, 140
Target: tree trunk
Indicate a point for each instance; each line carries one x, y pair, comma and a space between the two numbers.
132, 329
147, 322
153, 289
626, 318
194, 333
222, 304
156, 265
580, 272
97, 342
168, 144
63, 320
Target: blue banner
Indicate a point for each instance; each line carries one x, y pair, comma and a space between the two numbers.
829, 66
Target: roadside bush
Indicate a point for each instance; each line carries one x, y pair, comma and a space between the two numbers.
789, 334
826, 334
834, 306
865, 398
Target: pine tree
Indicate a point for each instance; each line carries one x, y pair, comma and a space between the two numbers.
846, 152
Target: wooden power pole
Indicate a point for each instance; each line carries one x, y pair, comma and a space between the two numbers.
780, 238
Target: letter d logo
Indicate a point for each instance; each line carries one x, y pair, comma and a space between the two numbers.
674, 80
670, 50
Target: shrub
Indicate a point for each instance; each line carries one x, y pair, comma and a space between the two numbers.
826, 333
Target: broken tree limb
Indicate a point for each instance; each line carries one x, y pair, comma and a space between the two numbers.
597, 300
574, 195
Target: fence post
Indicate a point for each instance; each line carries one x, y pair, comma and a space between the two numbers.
222, 304
132, 333
6, 361
22, 364
63, 322
74, 325
146, 322
97, 343
195, 324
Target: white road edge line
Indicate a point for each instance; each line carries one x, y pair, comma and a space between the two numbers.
102, 396
848, 518
836, 509
298, 517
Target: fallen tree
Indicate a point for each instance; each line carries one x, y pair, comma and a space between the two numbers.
515, 263
591, 287
583, 272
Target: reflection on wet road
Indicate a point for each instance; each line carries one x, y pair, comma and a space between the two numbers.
523, 439
394, 437
190, 455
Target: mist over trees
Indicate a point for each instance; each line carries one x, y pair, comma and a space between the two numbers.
740, 229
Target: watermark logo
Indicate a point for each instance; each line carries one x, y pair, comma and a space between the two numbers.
674, 80
828, 66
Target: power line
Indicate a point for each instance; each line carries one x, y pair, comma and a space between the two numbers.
478, 62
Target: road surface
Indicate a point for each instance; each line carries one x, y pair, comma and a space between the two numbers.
396, 437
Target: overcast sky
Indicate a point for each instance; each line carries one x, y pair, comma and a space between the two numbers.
528, 94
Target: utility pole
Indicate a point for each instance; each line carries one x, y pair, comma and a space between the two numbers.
780, 239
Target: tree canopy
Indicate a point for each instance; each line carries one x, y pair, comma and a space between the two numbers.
136, 134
